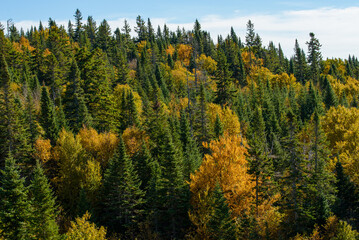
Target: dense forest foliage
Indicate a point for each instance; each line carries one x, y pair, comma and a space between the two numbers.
106, 134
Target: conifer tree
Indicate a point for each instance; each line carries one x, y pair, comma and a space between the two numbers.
314, 57
224, 91
191, 155
330, 98
75, 107
15, 207
44, 207
218, 127
346, 205
221, 225
122, 196
48, 118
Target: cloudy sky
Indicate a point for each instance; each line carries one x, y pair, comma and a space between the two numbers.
335, 23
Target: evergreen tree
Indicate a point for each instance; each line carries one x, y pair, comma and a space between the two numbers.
15, 207
224, 91
191, 155
75, 107
218, 127
330, 98
48, 118
346, 206
14, 134
221, 225
122, 196
44, 207
314, 57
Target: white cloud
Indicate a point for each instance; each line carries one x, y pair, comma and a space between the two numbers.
335, 28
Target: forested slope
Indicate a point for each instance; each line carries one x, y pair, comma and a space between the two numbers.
168, 135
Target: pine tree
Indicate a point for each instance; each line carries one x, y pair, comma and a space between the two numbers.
14, 133
44, 207
15, 208
122, 196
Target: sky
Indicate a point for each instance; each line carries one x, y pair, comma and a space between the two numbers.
334, 23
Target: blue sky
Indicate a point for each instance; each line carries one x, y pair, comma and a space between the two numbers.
282, 21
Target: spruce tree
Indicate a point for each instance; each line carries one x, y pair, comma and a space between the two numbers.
15, 207
75, 106
123, 199
44, 207
221, 225
48, 118
314, 57
330, 98
224, 91
191, 155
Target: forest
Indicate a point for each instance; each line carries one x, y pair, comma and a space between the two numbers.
150, 133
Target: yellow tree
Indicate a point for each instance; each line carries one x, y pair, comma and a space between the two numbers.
228, 166
100, 146
76, 170
83, 229
341, 126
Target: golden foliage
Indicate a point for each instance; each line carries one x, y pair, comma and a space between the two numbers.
170, 50
101, 146
226, 164
206, 63
341, 126
43, 149
133, 139
23, 44
83, 229
76, 168
228, 118
184, 53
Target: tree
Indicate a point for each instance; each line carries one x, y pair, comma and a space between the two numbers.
221, 225
224, 91
122, 196
48, 118
44, 207
300, 64
78, 25
15, 207
314, 57
83, 229
75, 106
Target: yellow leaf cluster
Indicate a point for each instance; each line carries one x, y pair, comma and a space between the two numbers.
83, 229
76, 168
184, 53
133, 139
206, 63
43, 149
170, 50
23, 44
228, 118
100, 146
226, 165
341, 126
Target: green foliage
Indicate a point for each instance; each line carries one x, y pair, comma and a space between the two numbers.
44, 207
15, 207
